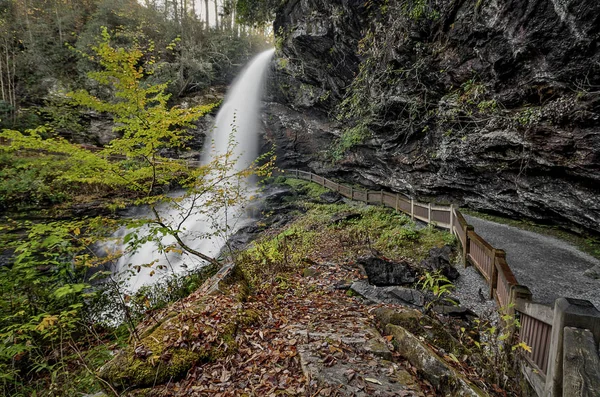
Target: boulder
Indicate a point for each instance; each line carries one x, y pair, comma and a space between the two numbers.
383, 272
593, 272
439, 260
330, 197
447, 380
455, 311
391, 294
344, 216
422, 326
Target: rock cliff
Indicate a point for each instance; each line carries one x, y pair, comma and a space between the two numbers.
493, 104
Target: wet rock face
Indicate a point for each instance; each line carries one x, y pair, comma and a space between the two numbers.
319, 40
493, 105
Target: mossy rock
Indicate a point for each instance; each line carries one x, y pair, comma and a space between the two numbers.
447, 380
158, 362
421, 325
176, 345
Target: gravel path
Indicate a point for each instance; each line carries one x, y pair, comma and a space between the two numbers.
466, 287
550, 267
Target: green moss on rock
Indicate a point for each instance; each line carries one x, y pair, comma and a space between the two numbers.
421, 325
169, 350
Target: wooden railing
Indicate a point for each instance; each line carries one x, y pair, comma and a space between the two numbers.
440, 215
537, 330
481, 254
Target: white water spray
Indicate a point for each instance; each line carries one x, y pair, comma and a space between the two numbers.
239, 115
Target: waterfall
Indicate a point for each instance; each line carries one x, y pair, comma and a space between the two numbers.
239, 115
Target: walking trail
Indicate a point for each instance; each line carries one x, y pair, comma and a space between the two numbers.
550, 267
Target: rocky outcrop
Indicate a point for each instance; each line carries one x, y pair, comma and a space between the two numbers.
441, 375
383, 272
490, 104
439, 261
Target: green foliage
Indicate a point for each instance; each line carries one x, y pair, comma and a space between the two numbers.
310, 189
280, 38
355, 110
439, 286
43, 294
144, 120
392, 234
64, 118
528, 117
270, 257
472, 92
350, 138
420, 9
25, 183
36, 37
147, 124
256, 12
495, 349
49, 308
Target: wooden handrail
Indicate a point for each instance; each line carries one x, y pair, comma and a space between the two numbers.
479, 240
537, 311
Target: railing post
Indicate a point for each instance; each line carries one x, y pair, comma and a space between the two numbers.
581, 363
351, 193
452, 219
517, 292
568, 312
496, 253
466, 247
381, 198
412, 209
297, 174
428, 212
397, 202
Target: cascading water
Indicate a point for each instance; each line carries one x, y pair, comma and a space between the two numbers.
238, 118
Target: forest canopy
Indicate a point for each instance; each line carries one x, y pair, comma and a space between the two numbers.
38, 39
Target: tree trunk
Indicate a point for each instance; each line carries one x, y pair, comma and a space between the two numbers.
206, 16
176, 11
27, 23
216, 14
184, 15
233, 23
59, 24
11, 84
2, 82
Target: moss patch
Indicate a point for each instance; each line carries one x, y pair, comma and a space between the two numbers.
201, 332
321, 234
310, 189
